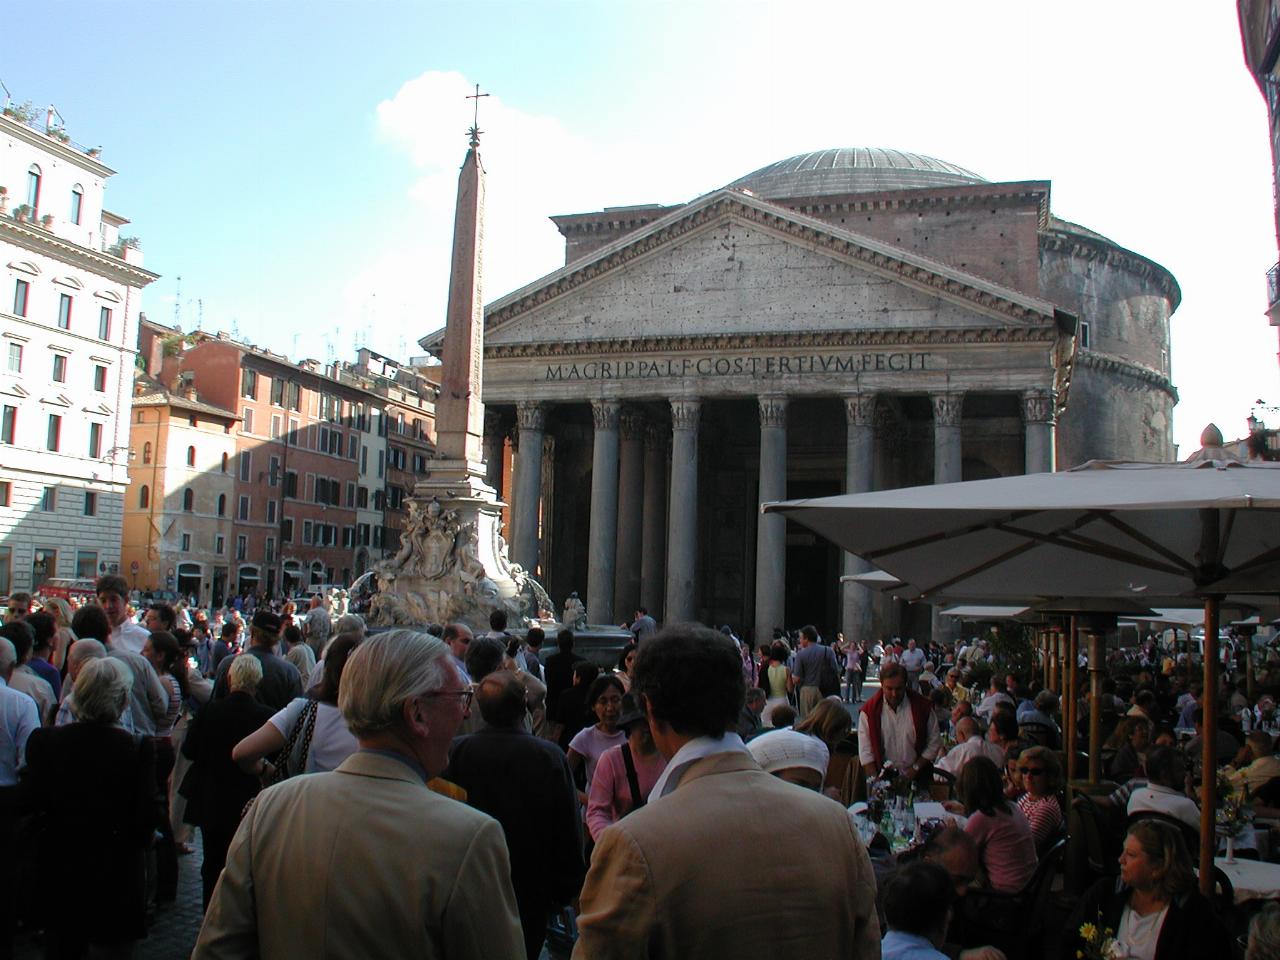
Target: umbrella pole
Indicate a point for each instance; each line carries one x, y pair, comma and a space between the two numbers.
1096, 667
1209, 747
1042, 642
1248, 662
1069, 703
1060, 662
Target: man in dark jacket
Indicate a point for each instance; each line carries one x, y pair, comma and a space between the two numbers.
524, 783
559, 669
281, 681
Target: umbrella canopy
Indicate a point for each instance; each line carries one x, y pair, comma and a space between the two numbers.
1104, 529
971, 611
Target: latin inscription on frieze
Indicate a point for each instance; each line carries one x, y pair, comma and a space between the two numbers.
755, 366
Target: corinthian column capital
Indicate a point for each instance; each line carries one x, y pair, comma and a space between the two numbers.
1038, 406
947, 408
684, 412
773, 411
860, 409
531, 415
606, 413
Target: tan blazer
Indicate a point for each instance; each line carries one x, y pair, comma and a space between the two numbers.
734, 863
363, 862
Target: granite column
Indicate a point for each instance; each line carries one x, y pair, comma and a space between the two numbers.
604, 511
682, 528
771, 528
626, 583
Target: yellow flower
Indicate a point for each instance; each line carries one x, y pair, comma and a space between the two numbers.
1089, 932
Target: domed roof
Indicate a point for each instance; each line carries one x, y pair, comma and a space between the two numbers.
852, 170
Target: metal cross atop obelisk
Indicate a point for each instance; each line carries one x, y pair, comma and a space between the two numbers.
475, 130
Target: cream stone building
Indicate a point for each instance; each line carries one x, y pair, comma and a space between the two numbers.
844, 320
69, 307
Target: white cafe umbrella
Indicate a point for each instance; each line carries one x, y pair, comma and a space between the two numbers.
1107, 529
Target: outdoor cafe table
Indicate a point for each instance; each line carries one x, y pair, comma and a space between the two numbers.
1252, 879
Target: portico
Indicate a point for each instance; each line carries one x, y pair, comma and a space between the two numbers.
811, 361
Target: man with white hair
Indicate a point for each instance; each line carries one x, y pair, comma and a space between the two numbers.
401, 871
969, 744
80, 653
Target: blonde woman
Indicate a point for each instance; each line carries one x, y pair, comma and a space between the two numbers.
60, 610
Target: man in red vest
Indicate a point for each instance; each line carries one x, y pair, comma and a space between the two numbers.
897, 726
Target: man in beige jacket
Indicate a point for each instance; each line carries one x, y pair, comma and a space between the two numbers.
366, 861
724, 860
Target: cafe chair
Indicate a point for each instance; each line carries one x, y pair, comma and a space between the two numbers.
1015, 922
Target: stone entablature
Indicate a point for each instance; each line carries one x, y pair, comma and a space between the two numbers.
1108, 363
1067, 241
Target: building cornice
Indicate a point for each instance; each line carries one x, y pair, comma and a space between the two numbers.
1110, 363
885, 337
988, 297
1067, 241
54, 146
39, 240
969, 195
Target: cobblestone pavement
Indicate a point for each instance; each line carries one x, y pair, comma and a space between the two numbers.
172, 934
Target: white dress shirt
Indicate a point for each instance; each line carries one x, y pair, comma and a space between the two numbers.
962, 753
898, 729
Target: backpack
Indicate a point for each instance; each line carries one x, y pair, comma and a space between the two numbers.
829, 674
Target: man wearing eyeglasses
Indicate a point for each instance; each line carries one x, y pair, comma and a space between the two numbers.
400, 871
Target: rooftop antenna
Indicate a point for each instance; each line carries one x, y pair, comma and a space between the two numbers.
200, 314
295, 346
8, 97
177, 304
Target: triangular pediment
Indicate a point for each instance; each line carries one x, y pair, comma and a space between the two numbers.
732, 264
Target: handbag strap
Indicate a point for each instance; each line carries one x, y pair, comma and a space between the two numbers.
633, 778
309, 719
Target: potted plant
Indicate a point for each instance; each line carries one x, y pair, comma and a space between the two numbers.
47, 221
22, 213
94, 151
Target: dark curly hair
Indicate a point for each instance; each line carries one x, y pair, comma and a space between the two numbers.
692, 679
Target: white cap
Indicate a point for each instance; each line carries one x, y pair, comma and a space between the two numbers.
783, 749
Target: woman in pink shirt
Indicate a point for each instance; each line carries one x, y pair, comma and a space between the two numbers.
613, 792
1006, 847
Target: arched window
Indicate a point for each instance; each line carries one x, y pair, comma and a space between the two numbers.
222, 504
191, 456
33, 188
224, 463
77, 199
144, 497
146, 452
188, 500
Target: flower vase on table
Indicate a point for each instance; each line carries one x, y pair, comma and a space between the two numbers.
1234, 812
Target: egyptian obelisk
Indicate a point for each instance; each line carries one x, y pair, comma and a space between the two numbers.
459, 410
452, 563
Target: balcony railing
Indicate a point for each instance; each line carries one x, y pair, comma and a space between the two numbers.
40, 125
1273, 285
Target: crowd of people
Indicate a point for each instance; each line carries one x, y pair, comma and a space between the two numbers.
450, 793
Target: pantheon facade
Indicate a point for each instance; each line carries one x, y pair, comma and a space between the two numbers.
840, 321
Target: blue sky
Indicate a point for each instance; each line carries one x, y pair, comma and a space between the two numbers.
295, 162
